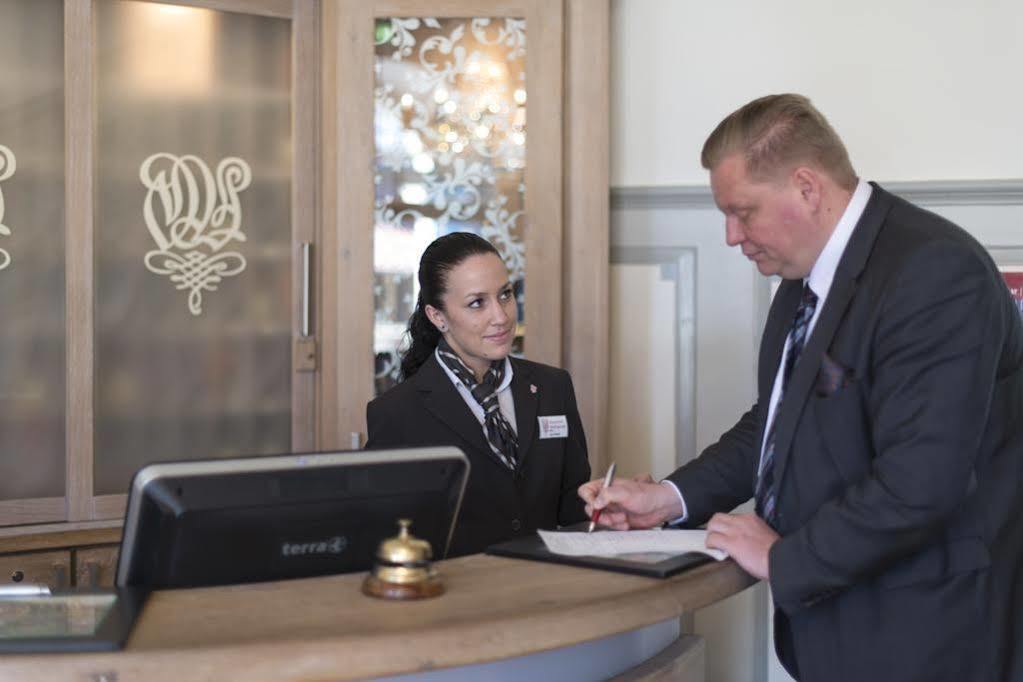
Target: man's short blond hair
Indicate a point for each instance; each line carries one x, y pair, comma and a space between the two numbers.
777, 133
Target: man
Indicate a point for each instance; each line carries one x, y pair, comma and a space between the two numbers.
885, 451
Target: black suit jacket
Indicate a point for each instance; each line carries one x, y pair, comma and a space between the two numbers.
899, 460
427, 410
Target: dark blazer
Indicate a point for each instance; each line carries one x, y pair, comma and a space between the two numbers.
427, 410
899, 460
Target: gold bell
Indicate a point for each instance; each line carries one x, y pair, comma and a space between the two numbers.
403, 569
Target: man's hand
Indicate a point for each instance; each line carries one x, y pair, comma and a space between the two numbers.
631, 503
746, 538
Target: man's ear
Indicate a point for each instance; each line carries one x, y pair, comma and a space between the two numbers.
808, 184
436, 317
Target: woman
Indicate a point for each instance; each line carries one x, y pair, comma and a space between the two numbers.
516, 420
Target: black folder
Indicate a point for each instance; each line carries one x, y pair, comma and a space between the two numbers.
651, 565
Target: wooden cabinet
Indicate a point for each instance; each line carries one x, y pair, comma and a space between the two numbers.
96, 566
157, 171
212, 210
43, 568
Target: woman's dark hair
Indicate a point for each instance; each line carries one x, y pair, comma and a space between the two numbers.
439, 258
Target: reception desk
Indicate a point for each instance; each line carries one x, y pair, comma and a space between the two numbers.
497, 612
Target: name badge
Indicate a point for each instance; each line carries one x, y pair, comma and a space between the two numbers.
555, 426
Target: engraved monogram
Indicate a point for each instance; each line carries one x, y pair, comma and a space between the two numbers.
8, 164
192, 215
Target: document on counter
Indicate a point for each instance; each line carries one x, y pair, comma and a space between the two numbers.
610, 543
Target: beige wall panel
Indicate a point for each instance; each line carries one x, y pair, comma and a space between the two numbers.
642, 408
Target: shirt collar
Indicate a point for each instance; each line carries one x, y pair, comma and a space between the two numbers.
457, 382
823, 272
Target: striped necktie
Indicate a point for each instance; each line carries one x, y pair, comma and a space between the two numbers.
767, 489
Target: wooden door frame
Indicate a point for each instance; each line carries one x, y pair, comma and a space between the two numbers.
567, 247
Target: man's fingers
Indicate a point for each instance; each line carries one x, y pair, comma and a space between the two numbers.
721, 523
719, 541
588, 491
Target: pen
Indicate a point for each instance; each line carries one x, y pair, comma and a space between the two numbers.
607, 481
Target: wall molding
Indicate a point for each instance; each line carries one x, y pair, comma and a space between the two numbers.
677, 265
925, 193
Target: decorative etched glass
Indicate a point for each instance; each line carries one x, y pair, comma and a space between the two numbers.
193, 236
450, 125
8, 164
193, 216
33, 391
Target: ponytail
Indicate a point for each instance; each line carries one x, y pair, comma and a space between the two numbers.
423, 338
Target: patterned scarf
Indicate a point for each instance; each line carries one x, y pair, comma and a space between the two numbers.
504, 445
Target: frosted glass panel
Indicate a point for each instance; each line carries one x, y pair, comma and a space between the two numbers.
32, 386
450, 123
193, 237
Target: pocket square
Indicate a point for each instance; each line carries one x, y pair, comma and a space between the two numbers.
832, 377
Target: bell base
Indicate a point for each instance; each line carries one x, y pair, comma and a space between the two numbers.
373, 586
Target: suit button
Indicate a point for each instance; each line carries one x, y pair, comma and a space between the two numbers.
516, 525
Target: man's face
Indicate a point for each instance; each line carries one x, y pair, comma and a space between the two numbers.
770, 221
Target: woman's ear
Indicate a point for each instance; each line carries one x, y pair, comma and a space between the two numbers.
437, 318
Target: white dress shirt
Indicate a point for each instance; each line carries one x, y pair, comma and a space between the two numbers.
505, 400
822, 274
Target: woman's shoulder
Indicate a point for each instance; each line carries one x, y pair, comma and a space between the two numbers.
394, 397
540, 370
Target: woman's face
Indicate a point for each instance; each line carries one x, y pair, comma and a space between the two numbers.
478, 316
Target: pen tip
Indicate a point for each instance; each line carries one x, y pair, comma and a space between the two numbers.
590, 529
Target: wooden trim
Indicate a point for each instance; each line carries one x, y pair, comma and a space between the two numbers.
224, 633
349, 193
109, 506
305, 57
267, 8
544, 29
683, 659
35, 510
587, 221
53, 536
454, 8
80, 128
328, 430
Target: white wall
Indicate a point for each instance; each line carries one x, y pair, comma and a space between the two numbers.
918, 89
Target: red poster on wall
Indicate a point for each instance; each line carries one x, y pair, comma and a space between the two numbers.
1013, 276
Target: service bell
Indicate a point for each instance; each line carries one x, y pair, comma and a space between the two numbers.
403, 568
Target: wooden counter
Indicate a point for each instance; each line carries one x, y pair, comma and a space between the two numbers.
325, 629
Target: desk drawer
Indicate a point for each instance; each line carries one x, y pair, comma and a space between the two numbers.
96, 566
44, 568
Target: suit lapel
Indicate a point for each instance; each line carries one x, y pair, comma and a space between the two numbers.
525, 407
843, 287
442, 399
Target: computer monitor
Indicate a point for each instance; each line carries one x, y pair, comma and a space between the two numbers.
216, 522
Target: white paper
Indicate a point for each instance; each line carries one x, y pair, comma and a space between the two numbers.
617, 542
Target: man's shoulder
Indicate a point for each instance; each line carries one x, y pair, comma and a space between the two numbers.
917, 226
912, 235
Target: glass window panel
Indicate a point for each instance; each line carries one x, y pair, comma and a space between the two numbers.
450, 125
32, 346
193, 236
